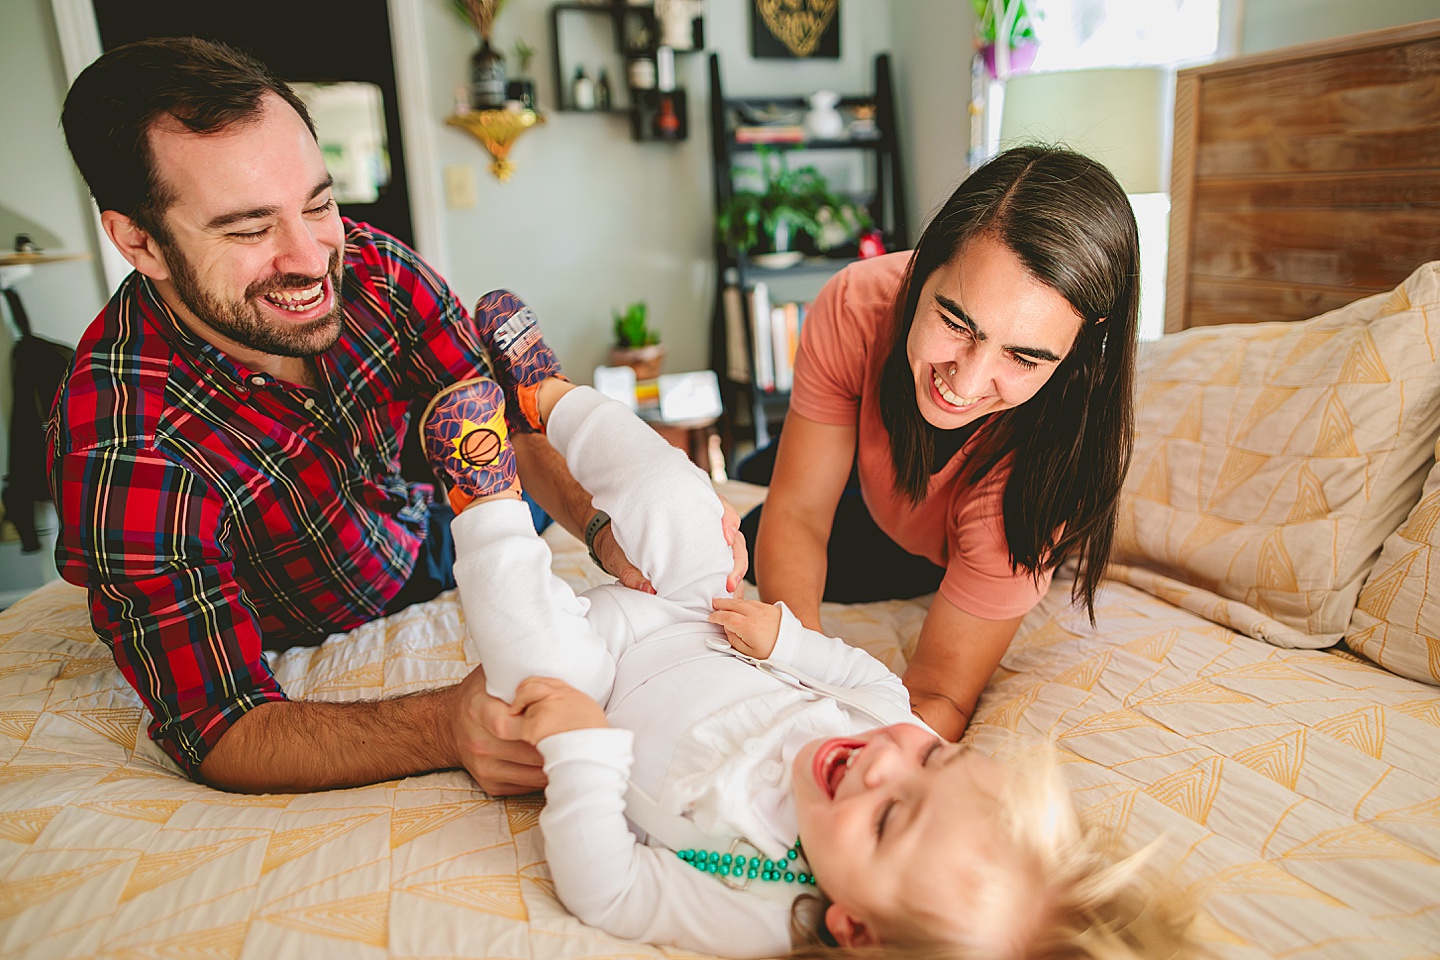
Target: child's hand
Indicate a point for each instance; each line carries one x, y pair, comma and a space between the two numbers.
750, 626
546, 706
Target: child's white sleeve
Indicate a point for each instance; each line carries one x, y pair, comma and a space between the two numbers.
520, 619
608, 879
835, 662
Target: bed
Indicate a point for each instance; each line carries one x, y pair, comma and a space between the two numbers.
1262, 687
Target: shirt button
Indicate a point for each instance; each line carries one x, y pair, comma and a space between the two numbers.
258, 380
754, 747
771, 771
309, 403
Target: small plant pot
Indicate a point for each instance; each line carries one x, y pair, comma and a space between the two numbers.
645, 361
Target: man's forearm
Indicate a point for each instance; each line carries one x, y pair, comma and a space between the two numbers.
547, 478
297, 746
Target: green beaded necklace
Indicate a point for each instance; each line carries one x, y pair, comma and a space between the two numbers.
726, 865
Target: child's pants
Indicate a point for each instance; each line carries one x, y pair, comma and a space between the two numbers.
522, 620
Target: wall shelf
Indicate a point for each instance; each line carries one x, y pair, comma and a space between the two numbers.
497, 131
636, 34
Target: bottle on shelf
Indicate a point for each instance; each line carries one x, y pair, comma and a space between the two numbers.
582, 91
604, 98
667, 121
487, 77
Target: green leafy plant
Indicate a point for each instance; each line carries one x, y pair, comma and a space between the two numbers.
524, 53
788, 202
632, 328
1011, 17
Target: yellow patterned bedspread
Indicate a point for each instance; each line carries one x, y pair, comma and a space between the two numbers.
1299, 792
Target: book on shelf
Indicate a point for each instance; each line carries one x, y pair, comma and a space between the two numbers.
787, 133
760, 337
737, 339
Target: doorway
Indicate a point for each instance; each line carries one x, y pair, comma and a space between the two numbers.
302, 43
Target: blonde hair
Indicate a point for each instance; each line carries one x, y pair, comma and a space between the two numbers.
1096, 907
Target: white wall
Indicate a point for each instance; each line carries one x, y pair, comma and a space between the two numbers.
1269, 24
40, 194
591, 220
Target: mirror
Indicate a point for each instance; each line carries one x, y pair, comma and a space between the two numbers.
349, 122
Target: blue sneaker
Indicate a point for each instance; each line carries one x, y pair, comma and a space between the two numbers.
467, 442
520, 357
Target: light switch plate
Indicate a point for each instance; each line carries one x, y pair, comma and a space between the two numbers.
460, 186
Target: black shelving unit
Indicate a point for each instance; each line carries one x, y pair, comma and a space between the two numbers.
886, 204
635, 33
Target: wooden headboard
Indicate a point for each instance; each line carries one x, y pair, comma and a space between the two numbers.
1305, 178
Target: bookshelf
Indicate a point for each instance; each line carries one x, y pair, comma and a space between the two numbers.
744, 343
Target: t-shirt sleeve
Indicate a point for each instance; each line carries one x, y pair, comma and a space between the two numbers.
978, 578
830, 361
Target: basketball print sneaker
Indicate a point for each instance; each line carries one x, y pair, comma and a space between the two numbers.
519, 355
467, 442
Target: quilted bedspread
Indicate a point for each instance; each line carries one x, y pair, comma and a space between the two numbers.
1298, 792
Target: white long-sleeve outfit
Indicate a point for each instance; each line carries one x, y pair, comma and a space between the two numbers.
708, 734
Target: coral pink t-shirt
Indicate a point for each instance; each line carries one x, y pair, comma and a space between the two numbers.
959, 526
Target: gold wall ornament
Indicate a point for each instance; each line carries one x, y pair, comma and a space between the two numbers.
799, 24
497, 130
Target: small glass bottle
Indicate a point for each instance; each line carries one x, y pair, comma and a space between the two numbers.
604, 98
582, 91
667, 121
487, 78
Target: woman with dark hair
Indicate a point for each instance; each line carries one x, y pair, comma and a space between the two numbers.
978, 393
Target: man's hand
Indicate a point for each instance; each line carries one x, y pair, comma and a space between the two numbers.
751, 626
488, 741
730, 523
544, 707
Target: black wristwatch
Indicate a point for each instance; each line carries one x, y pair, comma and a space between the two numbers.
592, 530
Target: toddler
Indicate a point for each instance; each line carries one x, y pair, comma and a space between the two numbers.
713, 764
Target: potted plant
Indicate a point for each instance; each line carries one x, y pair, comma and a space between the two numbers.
1006, 36
487, 65
791, 208
637, 344
522, 88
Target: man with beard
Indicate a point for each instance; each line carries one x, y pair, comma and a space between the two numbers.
225, 450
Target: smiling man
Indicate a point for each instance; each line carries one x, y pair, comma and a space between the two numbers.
226, 448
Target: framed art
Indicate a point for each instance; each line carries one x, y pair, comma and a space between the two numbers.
795, 29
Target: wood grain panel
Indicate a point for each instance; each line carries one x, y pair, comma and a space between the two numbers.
1214, 301
1333, 248
1310, 177
1402, 189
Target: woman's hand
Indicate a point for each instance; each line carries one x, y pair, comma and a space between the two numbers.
751, 627
545, 706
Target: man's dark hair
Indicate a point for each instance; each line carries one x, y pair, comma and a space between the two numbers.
114, 102
1071, 226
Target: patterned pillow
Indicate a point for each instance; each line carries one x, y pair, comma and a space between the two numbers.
1273, 459
1397, 621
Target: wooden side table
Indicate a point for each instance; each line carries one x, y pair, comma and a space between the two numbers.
698, 438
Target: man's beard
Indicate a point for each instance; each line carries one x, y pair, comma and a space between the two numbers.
244, 323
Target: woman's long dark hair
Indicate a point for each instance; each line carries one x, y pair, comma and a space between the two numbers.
1071, 226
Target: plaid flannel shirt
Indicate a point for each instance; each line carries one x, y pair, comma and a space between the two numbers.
207, 507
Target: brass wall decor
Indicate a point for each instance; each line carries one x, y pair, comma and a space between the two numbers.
795, 29
497, 130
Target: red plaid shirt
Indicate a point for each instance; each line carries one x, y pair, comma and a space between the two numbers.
207, 507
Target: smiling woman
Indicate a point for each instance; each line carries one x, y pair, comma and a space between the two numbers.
961, 419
